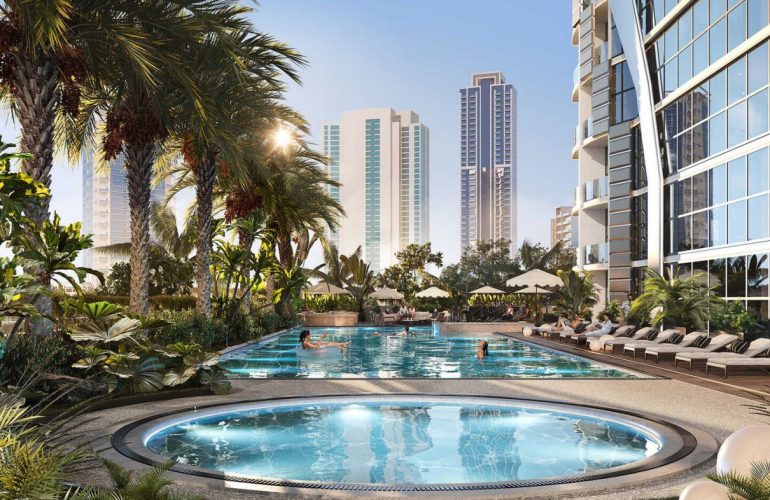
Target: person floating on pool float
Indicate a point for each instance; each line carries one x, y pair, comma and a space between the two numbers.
403, 333
307, 343
482, 349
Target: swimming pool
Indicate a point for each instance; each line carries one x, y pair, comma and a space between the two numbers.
400, 442
421, 355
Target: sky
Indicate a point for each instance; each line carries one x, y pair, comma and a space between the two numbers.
416, 55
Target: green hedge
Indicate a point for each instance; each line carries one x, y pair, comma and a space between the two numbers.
329, 303
157, 302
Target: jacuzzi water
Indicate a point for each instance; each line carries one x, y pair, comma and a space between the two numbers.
392, 441
420, 355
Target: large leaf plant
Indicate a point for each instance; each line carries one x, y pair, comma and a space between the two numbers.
118, 351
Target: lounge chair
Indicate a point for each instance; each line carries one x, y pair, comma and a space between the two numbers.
640, 346
756, 348
593, 334
727, 364
670, 351
619, 342
568, 332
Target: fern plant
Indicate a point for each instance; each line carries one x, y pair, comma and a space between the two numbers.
31, 465
755, 486
127, 485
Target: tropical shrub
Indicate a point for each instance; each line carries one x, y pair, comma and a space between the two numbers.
127, 485
576, 296
731, 316
31, 465
118, 352
489, 299
191, 327
267, 321
168, 275
754, 486
612, 309
328, 302
676, 301
32, 354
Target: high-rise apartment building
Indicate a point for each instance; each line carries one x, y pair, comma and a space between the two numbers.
381, 158
672, 143
487, 160
106, 213
561, 227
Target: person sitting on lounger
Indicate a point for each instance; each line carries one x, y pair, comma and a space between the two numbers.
603, 328
482, 349
307, 342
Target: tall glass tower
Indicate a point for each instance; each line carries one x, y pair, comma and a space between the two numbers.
488, 160
106, 214
381, 158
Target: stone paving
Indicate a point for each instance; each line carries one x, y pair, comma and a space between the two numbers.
679, 402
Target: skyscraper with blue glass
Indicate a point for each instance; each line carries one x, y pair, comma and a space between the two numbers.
106, 213
381, 158
487, 160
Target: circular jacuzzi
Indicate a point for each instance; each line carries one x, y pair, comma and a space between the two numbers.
417, 443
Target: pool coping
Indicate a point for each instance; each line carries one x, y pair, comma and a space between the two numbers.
697, 447
635, 374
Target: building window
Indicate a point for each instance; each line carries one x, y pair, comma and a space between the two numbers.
703, 33
698, 126
623, 98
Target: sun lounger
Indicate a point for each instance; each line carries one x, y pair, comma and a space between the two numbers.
639, 346
756, 348
727, 364
619, 342
670, 351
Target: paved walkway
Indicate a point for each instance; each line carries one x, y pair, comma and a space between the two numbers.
677, 401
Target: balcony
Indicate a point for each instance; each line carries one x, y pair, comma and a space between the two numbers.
598, 253
596, 189
576, 83
601, 53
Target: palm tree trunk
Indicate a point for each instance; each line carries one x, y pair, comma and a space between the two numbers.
36, 99
204, 188
245, 243
285, 258
139, 163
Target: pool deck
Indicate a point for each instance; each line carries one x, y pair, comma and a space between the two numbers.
707, 403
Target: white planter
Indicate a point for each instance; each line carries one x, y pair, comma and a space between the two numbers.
742, 447
705, 490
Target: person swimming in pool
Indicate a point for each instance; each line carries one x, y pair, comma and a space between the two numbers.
482, 349
403, 333
306, 342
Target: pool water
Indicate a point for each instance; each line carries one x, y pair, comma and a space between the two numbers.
420, 355
404, 442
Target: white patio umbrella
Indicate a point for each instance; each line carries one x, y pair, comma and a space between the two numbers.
432, 293
324, 288
535, 278
487, 290
532, 290
386, 294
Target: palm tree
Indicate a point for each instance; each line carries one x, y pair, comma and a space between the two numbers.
534, 257
576, 295
52, 50
679, 301
243, 95
361, 279
336, 273
49, 49
140, 115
